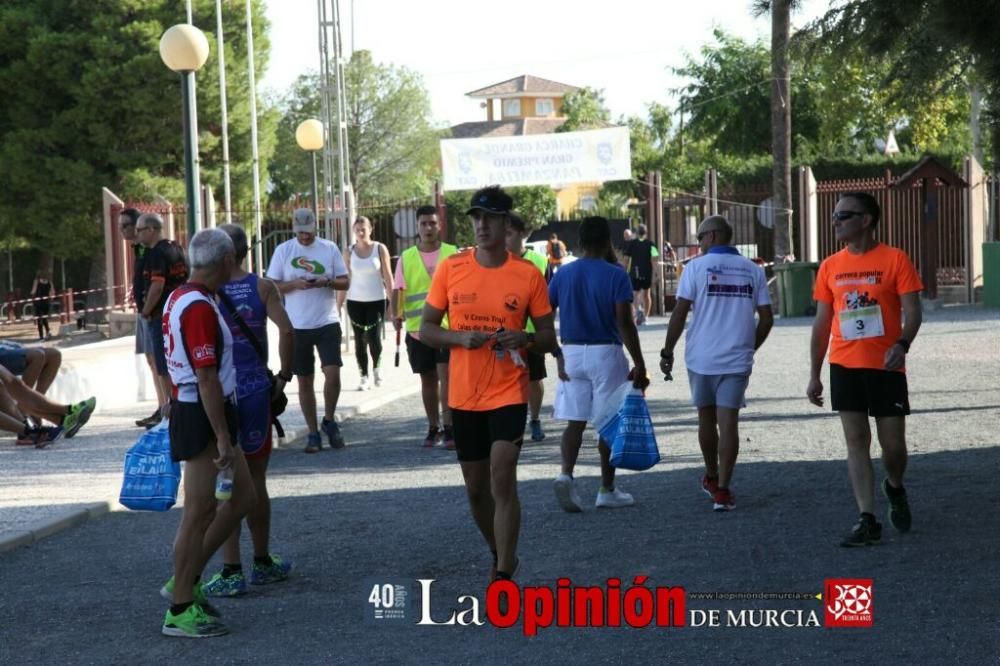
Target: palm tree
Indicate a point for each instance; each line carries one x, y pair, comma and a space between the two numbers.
781, 122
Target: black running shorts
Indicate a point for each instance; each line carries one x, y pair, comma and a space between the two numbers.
325, 339
536, 366
875, 392
422, 357
191, 432
475, 432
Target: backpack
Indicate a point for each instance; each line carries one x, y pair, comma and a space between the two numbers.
557, 249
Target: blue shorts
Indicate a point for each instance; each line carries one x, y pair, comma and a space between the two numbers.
718, 390
14, 358
154, 342
255, 424
141, 344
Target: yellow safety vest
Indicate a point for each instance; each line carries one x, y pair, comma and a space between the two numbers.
418, 283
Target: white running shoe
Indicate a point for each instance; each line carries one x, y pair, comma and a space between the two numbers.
378, 378
614, 499
565, 489
364, 386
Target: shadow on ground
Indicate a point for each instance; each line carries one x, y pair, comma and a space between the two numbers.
934, 588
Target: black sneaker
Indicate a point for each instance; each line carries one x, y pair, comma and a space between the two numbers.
332, 430
899, 507
866, 532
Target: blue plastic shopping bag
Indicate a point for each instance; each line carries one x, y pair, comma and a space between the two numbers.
607, 415
634, 443
151, 476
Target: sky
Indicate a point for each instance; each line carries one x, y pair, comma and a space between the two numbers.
625, 47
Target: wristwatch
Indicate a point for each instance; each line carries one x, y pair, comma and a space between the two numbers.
531, 338
666, 354
285, 378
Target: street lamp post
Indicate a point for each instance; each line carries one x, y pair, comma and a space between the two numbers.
309, 136
184, 49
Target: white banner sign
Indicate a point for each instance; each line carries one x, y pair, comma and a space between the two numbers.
591, 156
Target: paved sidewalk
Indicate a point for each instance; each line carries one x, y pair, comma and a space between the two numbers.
44, 491
383, 508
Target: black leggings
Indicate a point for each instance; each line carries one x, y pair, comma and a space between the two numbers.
366, 320
42, 318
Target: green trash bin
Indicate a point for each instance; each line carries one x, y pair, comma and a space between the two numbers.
991, 275
795, 288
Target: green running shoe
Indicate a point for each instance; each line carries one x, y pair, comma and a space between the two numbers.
275, 572
167, 592
225, 586
78, 415
193, 623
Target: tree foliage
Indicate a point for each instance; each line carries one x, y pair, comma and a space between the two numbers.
90, 104
393, 145
584, 109
924, 50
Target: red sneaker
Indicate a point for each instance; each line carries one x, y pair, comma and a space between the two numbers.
723, 500
710, 484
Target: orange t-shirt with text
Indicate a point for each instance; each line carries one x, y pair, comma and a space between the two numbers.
864, 290
477, 298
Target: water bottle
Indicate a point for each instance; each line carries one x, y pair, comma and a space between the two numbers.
224, 485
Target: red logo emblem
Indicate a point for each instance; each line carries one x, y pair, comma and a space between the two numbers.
847, 602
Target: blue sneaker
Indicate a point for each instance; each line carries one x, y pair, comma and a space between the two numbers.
313, 442
226, 586
275, 572
332, 430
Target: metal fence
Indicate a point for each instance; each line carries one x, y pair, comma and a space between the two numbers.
902, 217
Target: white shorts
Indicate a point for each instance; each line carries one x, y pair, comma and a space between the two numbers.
595, 371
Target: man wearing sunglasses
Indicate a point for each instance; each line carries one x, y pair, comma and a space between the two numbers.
868, 296
127, 224
732, 318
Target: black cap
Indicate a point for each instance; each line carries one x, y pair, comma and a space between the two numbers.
492, 200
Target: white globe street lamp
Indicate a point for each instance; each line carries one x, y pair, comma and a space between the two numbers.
184, 49
309, 136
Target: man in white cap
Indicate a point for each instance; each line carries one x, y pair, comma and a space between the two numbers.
307, 271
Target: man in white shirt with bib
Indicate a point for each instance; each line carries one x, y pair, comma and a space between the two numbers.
308, 270
726, 291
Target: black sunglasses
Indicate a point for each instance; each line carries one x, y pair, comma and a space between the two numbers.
705, 233
842, 215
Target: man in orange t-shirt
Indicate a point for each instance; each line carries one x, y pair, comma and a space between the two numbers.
868, 294
488, 295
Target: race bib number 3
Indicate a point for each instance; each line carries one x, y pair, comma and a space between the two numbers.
861, 323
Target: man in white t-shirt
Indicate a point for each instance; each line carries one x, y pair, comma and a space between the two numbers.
307, 271
726, 290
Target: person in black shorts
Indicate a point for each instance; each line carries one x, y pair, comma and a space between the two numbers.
308, 270
164, 268
488, 296
639, 265
414, 270
517, 231
203, 433
868, 297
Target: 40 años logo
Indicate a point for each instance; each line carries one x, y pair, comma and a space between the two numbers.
568, 605
307, 265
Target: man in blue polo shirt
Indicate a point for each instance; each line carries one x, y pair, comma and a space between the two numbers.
594, 301
726, 291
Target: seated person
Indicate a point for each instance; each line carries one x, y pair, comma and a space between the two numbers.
16, 397
37, 366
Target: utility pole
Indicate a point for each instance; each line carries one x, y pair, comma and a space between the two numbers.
259, 246
225, 114
336, 153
